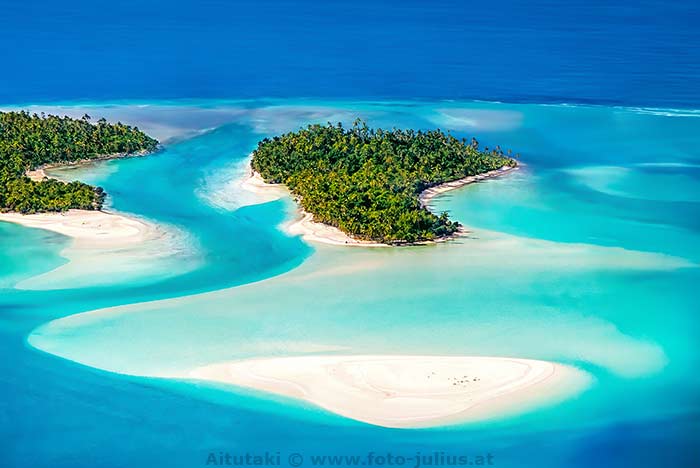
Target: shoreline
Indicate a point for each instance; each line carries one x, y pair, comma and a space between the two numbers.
124, 246
431, 192
303, 225
313, 231
39, 173
85, 226
406, 391
88, 228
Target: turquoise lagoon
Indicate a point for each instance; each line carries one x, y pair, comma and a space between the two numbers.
587, 255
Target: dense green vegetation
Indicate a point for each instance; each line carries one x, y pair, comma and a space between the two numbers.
28, 141
367, 182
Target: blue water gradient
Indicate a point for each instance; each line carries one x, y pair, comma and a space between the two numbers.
588, 255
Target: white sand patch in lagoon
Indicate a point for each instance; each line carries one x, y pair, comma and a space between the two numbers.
104, 246
88, 228
407, 391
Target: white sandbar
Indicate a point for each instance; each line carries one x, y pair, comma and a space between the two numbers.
406, 391
87, 227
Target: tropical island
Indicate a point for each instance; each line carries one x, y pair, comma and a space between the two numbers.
367, 182
30, 141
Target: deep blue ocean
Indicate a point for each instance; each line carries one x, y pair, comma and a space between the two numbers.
640, 53
617, 170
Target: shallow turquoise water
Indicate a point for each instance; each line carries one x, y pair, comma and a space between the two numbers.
587, 255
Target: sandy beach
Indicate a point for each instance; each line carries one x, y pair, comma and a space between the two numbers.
87, 228
125, 246
304, 225
312, 231
255, 183
428, 194
37, 175
406, 391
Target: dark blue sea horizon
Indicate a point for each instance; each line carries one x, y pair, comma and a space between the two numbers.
590, 52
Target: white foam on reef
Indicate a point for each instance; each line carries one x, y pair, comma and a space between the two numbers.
670, 165
665, 112
474, 119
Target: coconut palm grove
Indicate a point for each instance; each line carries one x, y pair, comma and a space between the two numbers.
29, 141
367, 182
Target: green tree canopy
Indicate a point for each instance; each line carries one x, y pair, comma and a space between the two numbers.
28, 141
367, 182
